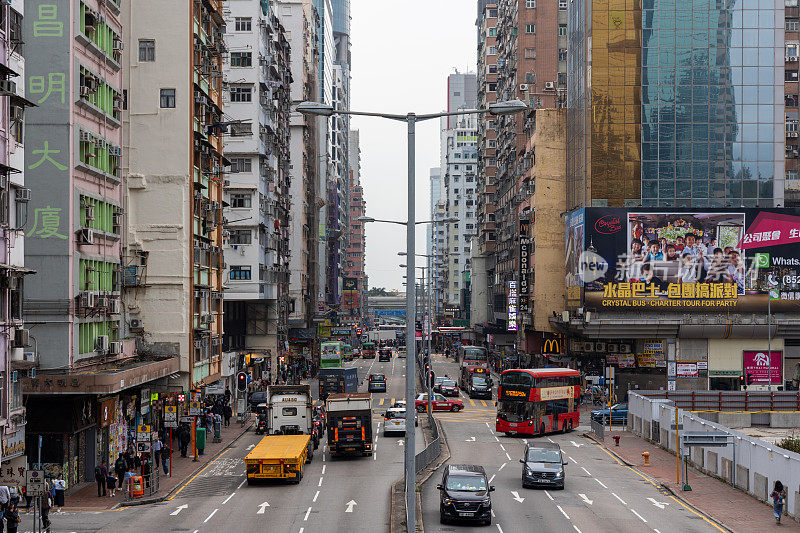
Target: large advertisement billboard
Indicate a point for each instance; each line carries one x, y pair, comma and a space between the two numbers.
684, 260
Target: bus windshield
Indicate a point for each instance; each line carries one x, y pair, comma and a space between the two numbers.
513, 411
474, 353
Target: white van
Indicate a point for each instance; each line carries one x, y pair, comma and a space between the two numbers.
394, 421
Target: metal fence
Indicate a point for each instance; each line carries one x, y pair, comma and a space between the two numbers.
598, 428
431, 451
729, 400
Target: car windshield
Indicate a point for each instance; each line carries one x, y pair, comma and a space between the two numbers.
439, 380
541, 455
478, 382
377, 377
449, 383
466, 483
620, 406
395, 414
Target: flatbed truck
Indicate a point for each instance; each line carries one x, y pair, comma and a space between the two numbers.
278, 457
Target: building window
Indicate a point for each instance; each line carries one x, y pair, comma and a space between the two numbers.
492, 69
791, 174
168, 98
492, 50
147, 50
493, 13
530, 53
241, 59
562, 5
562, 54
244, 24
241, 200
240, 273
530, 28
492, 32
791, 50
530, 4
241, 129
240, 236
241, 94
562, 29
530, 77
15, 30
241, 164
470, 179
790, 75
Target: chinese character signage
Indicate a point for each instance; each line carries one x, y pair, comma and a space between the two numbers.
683, 260
513, 303
525, 268
758, 367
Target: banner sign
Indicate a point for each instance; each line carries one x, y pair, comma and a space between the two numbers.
513, 295
556, 393
524, 263
758, 367
390, 312
687, 370
683, 260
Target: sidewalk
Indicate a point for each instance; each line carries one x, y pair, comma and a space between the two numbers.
728, 506
85, 496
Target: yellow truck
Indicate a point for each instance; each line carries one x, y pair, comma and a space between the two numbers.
278, 457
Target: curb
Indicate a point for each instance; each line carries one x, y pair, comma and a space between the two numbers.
158, 499
664, 486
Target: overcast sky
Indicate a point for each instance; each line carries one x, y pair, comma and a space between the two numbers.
402, 53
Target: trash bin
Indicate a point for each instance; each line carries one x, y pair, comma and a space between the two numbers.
136, 484
217, 431
201, 440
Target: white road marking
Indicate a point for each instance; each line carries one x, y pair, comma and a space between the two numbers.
315, 497
323, 468
308, 512
576, 528
585, 499
209, 516
320, 481
640, 516
576, 444
492, 513
502, 447
496, 438
471, 439
658, 504
502, 466
657, 531
525, 441
301, 530
491, 479
251, 446
620, 499
587, 472
548, 495
515, 494
500, 529
262, 508
601, 483
374, 456
178, 510
509, 457
572, 460
228, 498
551, 440
241, 484
562, 512
350, 505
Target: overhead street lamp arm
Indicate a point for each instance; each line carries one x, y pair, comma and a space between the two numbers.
496, 108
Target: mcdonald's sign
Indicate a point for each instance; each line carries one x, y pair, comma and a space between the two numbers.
552, 344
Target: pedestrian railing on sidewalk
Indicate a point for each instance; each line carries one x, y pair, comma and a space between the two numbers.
431, 451
599, 429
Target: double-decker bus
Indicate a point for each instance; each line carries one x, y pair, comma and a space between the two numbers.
473, 356
538, 400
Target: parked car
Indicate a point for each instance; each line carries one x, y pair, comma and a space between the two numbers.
385, 355
618, 414
464, 494
543, 466
377, 383
439, 403
448, 387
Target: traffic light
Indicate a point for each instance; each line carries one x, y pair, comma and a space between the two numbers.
750, 379
241, 381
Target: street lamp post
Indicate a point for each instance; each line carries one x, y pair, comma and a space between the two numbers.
497, 108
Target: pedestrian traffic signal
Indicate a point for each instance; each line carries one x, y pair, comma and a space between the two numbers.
241, 381
181, 397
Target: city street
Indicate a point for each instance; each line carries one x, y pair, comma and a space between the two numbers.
600, 494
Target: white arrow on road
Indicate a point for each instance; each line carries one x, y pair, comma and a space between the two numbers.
251, 446
350, 505
471, 439
585, 499
400, 442
576, 444
179, 509
515, 494
262, 508
658, 504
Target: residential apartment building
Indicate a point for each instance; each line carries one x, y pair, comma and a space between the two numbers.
16, 355
174, 174
306, 223
256, 248
790, 102
355, 278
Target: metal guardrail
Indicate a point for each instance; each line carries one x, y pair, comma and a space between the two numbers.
730, 400
599, 429
431, 451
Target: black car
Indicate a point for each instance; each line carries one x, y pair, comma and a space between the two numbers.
464, 494
377, 383
448, 387
543, 466
385, 355
480, 387
256, 398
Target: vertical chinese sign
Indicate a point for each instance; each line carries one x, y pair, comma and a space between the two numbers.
513, 303
524, 264
47, 146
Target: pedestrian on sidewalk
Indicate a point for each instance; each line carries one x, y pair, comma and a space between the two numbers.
778, 498
165, 457
28, 499
12, 518
120, 467
157, 446
228, 413
146, 471
47, 502
60, 486
183, 439
100, 474
111, 483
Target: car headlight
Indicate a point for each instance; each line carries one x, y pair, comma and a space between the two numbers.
559, 475
487, 501
528, 471
447, 501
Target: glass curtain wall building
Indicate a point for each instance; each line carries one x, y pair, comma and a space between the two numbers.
686, 111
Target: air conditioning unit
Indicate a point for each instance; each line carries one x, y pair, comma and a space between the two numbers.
86, 137
792, 134
198, 344
136, 324
22, 338
115, 347
86, 236
588, 347
102, 301
101, 343
523, 87
118, 44
8, 87
22, 195
624, 348
613, 347
790, 59
206, 319
550, 85
114, 306
9, 282
88, 300
85, 91
600, 347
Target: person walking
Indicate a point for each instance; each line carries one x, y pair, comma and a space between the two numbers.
47, 502
157, 447
227, 412
183, 439
60, 486
111, 483
165, 457
778, 498
12, 518
100, 474
146, 471
120, 467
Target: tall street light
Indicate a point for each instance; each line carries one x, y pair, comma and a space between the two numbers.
325, 110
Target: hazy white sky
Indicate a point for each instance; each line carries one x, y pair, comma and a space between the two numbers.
402, 53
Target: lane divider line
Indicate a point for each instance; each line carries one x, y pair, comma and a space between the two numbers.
562, 512
502, 466
576, 528
209, 516
548, 495
601, 483
491, 479
620, 499
315, 497
228, 498
640, 516
587, 472
308, 512
320, 481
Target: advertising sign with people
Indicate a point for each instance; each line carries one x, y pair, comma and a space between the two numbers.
684, 260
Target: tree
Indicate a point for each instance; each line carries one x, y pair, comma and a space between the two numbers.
378, 291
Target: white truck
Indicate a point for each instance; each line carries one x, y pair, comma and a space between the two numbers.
289, 411
379, 335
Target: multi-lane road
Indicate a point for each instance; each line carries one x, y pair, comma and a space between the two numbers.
352, 495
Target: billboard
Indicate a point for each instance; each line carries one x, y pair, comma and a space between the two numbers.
524, 264
684, 260
759, 368
513, 297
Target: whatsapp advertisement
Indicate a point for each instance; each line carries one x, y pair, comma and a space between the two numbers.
684, 260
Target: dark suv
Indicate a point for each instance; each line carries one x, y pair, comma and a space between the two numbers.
385, 355
464, 494
543, 466
377, 383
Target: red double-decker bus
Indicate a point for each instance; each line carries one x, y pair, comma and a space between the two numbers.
538, 400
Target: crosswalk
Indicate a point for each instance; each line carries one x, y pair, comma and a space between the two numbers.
388, 402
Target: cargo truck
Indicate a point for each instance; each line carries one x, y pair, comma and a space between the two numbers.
279, 457
289, 411
333, 380
349, 423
